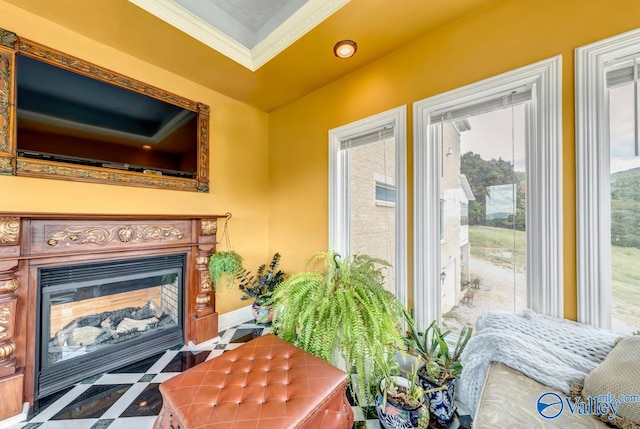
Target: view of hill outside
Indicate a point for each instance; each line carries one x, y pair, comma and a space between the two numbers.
492, 160
625, 211
494, 169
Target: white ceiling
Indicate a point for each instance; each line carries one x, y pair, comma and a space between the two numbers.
250, 32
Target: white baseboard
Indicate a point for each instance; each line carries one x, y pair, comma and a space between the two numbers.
234, 318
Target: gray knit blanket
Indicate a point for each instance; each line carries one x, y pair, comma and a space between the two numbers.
553, 351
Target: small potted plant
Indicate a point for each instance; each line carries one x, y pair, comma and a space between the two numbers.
260, 286
400, 402
224, 267
442, 365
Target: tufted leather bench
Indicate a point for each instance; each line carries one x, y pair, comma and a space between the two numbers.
265, 383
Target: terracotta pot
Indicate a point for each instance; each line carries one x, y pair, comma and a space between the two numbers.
262, 313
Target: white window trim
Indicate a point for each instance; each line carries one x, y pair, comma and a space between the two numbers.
592, 170
339, 219
442, 214
544, 201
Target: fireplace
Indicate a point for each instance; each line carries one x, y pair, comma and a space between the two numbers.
99, 316
133, 284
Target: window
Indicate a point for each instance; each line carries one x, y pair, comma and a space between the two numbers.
385, 194
464, 214
437, 175
608, 166
367, 192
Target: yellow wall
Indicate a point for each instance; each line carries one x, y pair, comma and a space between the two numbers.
239, 149
284, 208
499, 38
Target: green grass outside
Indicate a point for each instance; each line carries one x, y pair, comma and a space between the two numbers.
489, 242
493, 244
626, 284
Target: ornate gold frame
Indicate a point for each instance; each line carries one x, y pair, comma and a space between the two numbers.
12, 164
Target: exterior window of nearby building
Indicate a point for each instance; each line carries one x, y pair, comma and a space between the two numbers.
464, 214
483, 185
385, 194
608, 166
367, 192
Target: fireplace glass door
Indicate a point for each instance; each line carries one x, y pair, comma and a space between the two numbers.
99, 316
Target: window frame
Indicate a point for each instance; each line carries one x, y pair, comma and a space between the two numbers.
339, 168
442, 215
544, 205
593, 201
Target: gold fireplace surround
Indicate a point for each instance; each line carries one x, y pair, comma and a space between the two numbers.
29, 241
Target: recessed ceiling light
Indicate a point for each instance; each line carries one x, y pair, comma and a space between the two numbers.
146, 147
345, 49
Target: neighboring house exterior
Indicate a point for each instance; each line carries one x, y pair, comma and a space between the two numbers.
372, 196
372, 209
455, 194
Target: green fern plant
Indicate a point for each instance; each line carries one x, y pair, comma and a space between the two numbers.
341, 311
224, 267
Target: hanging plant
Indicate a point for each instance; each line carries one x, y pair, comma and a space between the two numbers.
224, 267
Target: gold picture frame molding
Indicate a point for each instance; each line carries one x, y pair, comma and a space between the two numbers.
12, 164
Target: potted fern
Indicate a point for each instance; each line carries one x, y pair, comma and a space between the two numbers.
342, 314
224, 267
260, 286
442, 365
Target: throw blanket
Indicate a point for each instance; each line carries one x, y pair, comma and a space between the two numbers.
550, 350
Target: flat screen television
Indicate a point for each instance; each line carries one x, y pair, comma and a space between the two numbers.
64, 116
75, 120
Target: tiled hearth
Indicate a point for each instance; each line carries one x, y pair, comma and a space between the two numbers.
129, 397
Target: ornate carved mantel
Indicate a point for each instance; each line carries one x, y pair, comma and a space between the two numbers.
29, 241
9, 283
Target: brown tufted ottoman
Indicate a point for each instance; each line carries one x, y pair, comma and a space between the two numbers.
265, 383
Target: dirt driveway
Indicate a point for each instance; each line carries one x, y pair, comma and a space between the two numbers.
496, 292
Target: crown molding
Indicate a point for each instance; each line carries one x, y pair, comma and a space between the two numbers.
297, 25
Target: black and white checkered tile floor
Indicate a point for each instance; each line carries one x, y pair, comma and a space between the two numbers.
129, 397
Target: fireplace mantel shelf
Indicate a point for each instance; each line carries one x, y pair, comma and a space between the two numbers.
31, 241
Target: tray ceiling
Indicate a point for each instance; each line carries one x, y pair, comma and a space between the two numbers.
250, 32
287, 49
